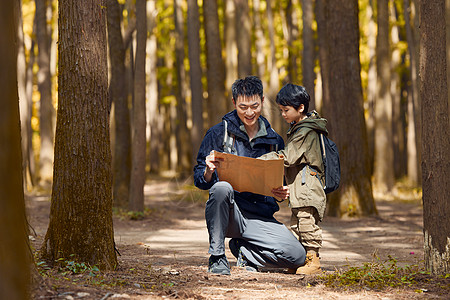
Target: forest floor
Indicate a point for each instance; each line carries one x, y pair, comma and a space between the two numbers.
163, 255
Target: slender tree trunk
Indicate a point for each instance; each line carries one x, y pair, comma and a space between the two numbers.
309, 75
154, 117
139, 121
32, 165
215, 70
272, 67
185, 163
81, 207
347, 126
415, 11
412, 169
231, 51
384, 158
292, 36
270, 108
398, 130
243, 38
436, 136
322, 33
371, 82
195, 73
45, 89
14, 253
118, 95
25, 113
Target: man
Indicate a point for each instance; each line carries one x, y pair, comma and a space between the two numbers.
257, 238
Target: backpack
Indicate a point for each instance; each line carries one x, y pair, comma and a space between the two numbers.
331, 163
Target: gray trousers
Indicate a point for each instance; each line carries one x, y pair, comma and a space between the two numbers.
265, 242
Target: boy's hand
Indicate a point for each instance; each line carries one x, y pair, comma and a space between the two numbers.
212, 163
281, 192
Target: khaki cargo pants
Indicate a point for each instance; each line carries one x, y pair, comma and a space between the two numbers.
304, 222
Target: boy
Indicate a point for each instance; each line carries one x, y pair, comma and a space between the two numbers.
304, 171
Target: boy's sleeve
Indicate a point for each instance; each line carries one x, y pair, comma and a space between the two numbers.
295, 151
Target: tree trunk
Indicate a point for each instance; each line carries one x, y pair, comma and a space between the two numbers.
398, 128
415, 12
371, 82
81, 206
154, 117
231, 55
185, 163
215, 70
345, 111
243, 38
24, 103
322, 37
195, 74
384, 158
270, 108
272, 68
139, 119
308, 64
118, 95
14, 253
436, 136
45, 89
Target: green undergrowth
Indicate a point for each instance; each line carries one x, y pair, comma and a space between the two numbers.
132, 215
68, 272
378, 275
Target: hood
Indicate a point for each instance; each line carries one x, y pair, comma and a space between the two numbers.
313, 121
234, 124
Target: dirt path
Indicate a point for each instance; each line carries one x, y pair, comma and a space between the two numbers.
165, 254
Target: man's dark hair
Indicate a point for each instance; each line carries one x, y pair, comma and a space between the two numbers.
248, 86
293, 95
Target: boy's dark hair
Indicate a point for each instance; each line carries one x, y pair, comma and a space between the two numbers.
248, 86
293, 95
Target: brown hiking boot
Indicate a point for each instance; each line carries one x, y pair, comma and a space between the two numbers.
311, 266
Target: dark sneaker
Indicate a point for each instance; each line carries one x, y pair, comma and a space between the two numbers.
218, 265
242, 262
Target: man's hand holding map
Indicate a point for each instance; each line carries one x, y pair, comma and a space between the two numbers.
247, 174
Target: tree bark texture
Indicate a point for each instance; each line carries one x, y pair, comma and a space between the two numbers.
139, 119
436, 137
14, 251
215, 70
118, 95
45, 89
345, 111
384, 156
195, 74
81, 206
243, 38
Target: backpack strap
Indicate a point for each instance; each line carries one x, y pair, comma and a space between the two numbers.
228, 140
322, 144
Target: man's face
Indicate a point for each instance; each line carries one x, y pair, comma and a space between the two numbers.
249, 109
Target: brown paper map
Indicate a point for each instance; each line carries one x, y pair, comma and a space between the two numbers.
248, 174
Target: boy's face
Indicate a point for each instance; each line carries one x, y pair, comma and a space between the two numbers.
290, 114
249, 109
